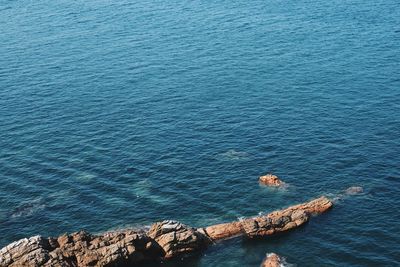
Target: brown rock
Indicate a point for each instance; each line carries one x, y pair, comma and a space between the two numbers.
176, 238
270, 180
25, 252
272, 260
315, 206
274, 222
223, 230
164, 240
81, 249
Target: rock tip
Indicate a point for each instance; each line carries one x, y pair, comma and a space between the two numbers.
270, 180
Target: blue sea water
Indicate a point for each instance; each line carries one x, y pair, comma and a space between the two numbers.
118, 114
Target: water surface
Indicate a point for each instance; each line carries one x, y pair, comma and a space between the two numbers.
117, 114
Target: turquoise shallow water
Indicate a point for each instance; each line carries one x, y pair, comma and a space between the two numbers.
117, 114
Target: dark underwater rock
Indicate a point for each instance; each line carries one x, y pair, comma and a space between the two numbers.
354, 190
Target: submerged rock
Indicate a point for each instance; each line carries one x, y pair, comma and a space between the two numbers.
270, 180
354, 190
233, 155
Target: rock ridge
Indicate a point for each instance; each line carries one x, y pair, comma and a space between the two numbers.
164, 240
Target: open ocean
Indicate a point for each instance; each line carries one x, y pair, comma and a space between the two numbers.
117, 114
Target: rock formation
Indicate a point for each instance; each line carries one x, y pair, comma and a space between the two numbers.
351, 191
164, 240
176, 238
270, 180
272, 260
81, 249
274, 222
275, 260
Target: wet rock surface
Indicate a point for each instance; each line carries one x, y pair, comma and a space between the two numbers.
164, 240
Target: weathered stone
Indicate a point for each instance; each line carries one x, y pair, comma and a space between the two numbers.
81, 249
270, 180
250, 227
176, 238
315, 206
275, 222
224, 230
272, 260
25, 252
164, 240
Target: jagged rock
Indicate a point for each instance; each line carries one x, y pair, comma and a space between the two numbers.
270, 180
272, 260
26, 252
81, 249
164, 240
176, 238
275, 222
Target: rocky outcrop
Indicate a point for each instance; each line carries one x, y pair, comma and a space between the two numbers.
164, 240
176, 238
315, 206
32, 251
270, 180
273, 260
81, 249
274, 222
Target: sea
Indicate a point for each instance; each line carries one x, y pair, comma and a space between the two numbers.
119, 114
